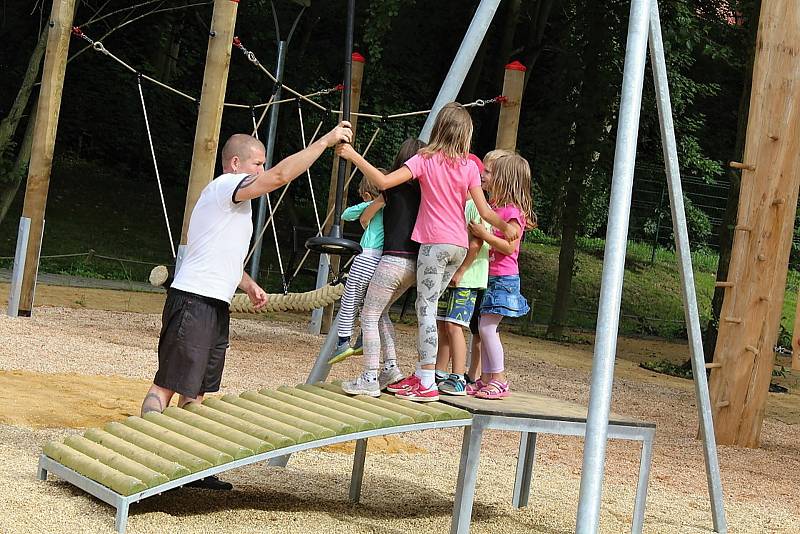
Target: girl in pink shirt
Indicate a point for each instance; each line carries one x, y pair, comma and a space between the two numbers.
510, 192
446, 177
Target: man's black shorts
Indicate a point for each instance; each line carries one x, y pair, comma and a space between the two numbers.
191, 348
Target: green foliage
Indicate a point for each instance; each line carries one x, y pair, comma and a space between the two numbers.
667, 367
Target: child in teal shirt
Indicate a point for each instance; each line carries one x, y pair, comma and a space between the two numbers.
370, 214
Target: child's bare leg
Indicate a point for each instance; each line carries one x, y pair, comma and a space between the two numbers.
458, 347
443, 353
475, 358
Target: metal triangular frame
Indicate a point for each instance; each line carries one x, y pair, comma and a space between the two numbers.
644, 23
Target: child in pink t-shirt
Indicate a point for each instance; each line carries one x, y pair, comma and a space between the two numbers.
510, 192
446, 177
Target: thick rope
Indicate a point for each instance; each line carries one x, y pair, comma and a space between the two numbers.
310, 300
155, 165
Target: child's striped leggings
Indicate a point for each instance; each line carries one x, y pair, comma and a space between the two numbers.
356, 287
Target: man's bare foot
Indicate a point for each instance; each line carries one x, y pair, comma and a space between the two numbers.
152, 403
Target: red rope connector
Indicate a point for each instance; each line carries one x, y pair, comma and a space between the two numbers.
501, 98
77, 32
237, 42
340, 87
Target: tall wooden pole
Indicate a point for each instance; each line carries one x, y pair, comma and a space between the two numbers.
212, 99
796, 337
751, 311
513, 86
44, 139
356, 78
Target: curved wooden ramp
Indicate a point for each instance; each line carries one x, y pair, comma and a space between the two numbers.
131, 460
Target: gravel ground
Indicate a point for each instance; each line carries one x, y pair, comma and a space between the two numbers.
109, 357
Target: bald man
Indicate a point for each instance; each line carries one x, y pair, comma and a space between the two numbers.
194, 324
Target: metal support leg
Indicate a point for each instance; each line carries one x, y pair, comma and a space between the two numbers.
323, 269
122, 517
357, 477
41, 473
605, 345
525, 461
641, 486
19, 266
467, 476
683, 252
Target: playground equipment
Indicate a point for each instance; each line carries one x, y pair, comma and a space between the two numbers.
751, 311
138, 458
644, 21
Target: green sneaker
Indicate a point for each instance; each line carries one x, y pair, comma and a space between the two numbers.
358, 347
343, 351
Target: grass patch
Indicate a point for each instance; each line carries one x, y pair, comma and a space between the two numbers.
666, 367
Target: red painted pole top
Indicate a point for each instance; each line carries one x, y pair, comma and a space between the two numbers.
358, 57
516, 65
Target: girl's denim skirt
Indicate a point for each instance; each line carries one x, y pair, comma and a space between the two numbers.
503, 297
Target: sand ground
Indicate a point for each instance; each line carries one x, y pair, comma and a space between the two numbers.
87, 356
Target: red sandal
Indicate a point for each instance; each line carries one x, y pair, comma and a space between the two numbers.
494, 390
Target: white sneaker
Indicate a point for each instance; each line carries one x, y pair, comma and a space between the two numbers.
361, 386
389, 376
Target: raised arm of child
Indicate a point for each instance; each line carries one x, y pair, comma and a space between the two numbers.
372, 210
510, 231
497, 243
383, 181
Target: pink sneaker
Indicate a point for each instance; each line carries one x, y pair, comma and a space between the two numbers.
475, 387
403, 385
419, 393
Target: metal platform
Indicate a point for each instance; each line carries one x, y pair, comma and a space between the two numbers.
531, 414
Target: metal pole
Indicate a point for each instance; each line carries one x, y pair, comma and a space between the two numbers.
336, 227
264, 202
462, 62
605, 346
317, 314
659, 65
19, 266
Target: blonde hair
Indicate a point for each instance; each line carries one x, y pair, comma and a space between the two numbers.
494, 155
451, 135
368, 187
511, 185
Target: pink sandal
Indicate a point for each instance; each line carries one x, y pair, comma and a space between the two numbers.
494, 390
475, 387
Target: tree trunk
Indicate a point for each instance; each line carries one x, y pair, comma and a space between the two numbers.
9, 188
566, 259
8, 127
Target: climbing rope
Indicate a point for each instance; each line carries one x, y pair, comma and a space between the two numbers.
310, 300
308, 171
155, 164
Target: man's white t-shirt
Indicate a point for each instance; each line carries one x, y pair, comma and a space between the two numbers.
219, 236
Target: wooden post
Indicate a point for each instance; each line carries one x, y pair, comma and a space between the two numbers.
44, 140
357, 76
760, 255
796, 337
212, 99
513, 87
